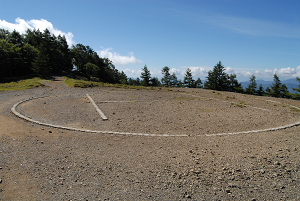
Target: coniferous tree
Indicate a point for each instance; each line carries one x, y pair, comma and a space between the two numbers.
260, 90
234, 85
188, 80
217, 79
173, 80
198, 83
180, 84
146, 76
166, 79
155, 82
297, 95
42, 64
251, 89
278, 89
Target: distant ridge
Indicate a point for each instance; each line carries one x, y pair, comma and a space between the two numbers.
290, 83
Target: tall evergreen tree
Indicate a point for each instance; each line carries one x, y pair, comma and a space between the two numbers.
234, 85
155, 82
42, 64
217, 79
166, 79
146, 76
297, 95
198, 83
278, 89
173, 80
188, 79
251, 89
260, 90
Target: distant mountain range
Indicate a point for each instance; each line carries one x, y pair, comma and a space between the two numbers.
290, 83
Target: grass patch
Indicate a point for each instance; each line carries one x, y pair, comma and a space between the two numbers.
22, 84
229, 97
295, 109
203, 110
241, 104
81, 83
70, 82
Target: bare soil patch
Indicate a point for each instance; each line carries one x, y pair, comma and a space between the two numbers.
43, 163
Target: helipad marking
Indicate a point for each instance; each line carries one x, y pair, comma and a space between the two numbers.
14, 111
98, 110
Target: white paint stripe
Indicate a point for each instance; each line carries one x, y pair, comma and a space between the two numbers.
98, 110
14, 111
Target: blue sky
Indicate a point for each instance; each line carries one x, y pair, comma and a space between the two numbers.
259, 37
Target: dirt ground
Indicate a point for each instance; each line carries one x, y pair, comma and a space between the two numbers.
180, 159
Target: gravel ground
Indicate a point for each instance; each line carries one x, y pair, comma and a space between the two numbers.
44, 163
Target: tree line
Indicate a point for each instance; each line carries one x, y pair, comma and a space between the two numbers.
44, 54
217, 79
40, 53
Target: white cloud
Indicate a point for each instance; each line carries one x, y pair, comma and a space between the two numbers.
269, 72
176, 71
258, 73
118, 59
285, 72
197, 71
245, 73
230, 70
129, 71
21, 26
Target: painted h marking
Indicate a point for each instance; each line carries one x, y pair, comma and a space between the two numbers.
98, 110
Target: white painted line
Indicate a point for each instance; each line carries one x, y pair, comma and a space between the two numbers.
14, 111
98, 110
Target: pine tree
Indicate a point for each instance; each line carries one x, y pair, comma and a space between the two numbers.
167, 76
198, 83
188, 79
297, 95
41, 64
173, 80
278, 89
260, 90
217, 79
146, 76
251, 89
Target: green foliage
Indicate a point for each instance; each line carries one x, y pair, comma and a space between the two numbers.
217, 79
71, 82
155, 82
251, 89
260, 90
297, 89
146, 76
277, 89
180, 84
45, 54
173, 80
297, 95
22, 84
198, 83
42, 64
234, 85
166, 79
188, 79
34, 52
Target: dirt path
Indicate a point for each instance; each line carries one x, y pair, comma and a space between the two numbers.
43, 163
